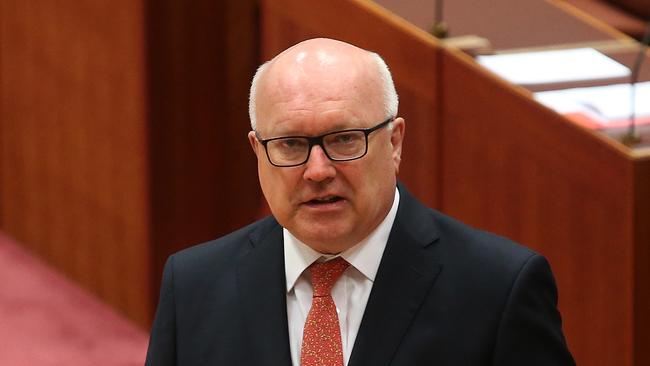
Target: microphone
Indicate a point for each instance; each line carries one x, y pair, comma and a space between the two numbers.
439, 28
631, 137
473, 45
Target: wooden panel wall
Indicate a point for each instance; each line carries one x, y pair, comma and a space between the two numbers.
641, 197
513, 167
409, 52
74, 154
201, 59
123, 135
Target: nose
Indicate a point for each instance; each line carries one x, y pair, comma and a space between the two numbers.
319, 167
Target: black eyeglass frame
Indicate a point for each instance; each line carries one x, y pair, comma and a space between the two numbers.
318, 140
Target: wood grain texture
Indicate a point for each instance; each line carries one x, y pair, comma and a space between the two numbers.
201, 58
74, 158
641, 197
410, 53
513, 167
123, 135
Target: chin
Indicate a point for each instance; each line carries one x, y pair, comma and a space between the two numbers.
327, 239
329, 248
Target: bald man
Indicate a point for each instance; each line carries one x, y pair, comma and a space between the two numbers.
350, 269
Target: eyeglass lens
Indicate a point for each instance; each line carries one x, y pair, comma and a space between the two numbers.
345, 145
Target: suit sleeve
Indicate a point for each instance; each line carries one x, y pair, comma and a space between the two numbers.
162, 343
530, 331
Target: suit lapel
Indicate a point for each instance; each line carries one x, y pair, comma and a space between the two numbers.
407, 271
262, 291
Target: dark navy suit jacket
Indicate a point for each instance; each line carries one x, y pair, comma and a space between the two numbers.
445, 294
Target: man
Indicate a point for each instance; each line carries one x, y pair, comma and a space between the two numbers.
350, 269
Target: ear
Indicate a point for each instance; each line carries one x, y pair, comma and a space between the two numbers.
252, 139
396, 139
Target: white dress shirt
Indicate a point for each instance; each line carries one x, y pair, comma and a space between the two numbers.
351, 291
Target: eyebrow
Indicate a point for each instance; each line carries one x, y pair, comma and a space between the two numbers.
339, 126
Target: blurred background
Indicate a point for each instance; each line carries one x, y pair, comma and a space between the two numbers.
123, 139
124, 135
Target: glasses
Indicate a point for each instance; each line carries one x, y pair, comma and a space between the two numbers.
345, 145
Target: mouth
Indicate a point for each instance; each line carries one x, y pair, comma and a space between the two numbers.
324, 201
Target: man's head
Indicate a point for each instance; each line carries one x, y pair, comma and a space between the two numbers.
314, 88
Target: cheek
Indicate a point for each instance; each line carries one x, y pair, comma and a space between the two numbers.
380, 168
277, 187
267, 183
379, 179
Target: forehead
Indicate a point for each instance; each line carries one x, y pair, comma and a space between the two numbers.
317, 99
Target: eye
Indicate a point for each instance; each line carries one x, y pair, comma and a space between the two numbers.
344, 138
291, 143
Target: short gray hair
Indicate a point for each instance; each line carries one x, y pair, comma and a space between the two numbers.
391, 100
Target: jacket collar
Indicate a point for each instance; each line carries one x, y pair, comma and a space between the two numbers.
262, 295
407, 271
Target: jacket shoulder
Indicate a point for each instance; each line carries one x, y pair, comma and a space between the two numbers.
223, 251
468, 240
456, 243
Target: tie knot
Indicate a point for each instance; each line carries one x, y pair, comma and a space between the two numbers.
324, 275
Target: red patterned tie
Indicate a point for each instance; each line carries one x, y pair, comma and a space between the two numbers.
321, 339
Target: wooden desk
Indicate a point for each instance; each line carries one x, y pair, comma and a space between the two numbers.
516, 168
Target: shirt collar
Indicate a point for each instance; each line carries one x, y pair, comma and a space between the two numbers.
364, 256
